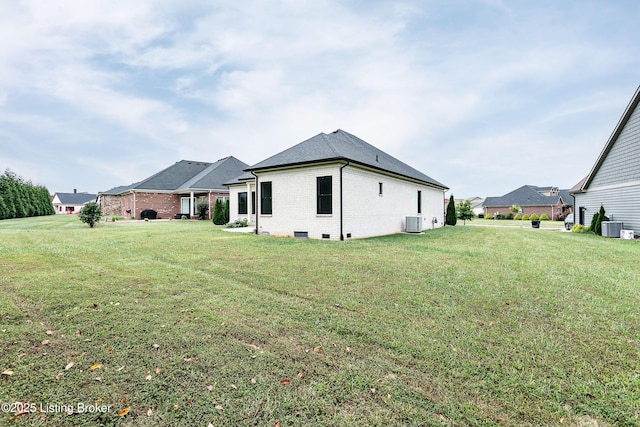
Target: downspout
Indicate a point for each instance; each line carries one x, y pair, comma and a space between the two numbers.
341, 203
257, 198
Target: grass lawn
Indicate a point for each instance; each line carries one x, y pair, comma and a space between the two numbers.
180, 323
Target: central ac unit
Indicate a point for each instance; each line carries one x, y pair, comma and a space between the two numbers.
611, 228
413, 224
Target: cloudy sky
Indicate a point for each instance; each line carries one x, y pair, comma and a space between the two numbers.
482, 95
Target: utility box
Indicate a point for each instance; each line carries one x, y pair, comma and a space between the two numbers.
626, 234
611, 228
413, 224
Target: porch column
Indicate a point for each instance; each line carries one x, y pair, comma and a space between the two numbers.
249, 203
191, 204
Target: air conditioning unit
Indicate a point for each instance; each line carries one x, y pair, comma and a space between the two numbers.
413, 224
611, 228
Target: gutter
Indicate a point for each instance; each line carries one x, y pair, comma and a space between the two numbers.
341, 204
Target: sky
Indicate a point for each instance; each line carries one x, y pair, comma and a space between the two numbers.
482, 95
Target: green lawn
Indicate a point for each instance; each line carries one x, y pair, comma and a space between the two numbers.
181, 323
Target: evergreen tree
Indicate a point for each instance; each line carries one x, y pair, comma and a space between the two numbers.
226, 212
218, 213
90, 213
3, 208
450, 218
464, 211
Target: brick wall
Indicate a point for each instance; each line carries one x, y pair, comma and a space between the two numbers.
526, 210
165, 204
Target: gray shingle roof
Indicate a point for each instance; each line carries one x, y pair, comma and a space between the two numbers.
76, 198
189, 175
528, 195
341, 145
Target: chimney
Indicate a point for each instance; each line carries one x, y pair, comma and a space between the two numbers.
75, 191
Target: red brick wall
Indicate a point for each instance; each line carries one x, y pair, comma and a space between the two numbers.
166, 205
526, 210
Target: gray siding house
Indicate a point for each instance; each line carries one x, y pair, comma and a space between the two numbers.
614, 180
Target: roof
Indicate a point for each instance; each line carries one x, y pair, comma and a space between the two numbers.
188, 175
612, 140
341, 145
75, 198
529, 195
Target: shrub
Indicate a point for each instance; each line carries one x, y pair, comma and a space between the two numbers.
238, 223
577, 228
488, 216
450, 218
544, 217
202, 207
525, 217
509, 216
500, 216
90, 213
534, 217
517, 217
218, 213
596, 221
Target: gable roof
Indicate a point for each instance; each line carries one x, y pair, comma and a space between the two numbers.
341, 145
635, 100
188, 175
75, 198
527, 195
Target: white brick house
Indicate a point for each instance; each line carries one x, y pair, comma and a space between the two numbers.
335, 186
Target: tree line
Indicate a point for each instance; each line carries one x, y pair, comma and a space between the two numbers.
21, 199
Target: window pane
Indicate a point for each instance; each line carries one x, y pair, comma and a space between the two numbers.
242, 203
324, 190
265, 198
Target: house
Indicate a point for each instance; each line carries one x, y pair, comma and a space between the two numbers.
174, 191
614, 180
475, 202
551, 201
71, 203
335, 186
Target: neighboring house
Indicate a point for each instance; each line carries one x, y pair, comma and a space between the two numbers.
553, 202
174, 191
335, 186
71, 203
476, 204
614, 180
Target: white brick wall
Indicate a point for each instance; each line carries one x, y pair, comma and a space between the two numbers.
234, 190
366, 213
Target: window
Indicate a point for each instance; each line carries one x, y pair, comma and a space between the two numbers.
380, 189
265, 198
242, 203
419, 201
253, 202
324, 185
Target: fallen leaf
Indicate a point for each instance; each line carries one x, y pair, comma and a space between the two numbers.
95, 366
158, 371
78, 332
233, 386
59, 376
148, 378
45, 342
299, 375
373, 391
348, 349
120, 368
176, 407
124, 412
109, 350
318, 348
210, 387
98, 378
285, 382
69, 366
156, 346
149, 412
7, 373
219, 407
49, 332
253, 380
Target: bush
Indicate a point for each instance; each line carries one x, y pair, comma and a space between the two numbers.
90, 213
544, 217
509, 216
450, 217
202, 207
238, 223
580, 229
218, 213
534, 217
525, 217
488, 216
517, 217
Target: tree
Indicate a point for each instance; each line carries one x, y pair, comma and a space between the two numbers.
450, 218
514, 209
596, 221
90, 213
218, 213
202, 207
464, 211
